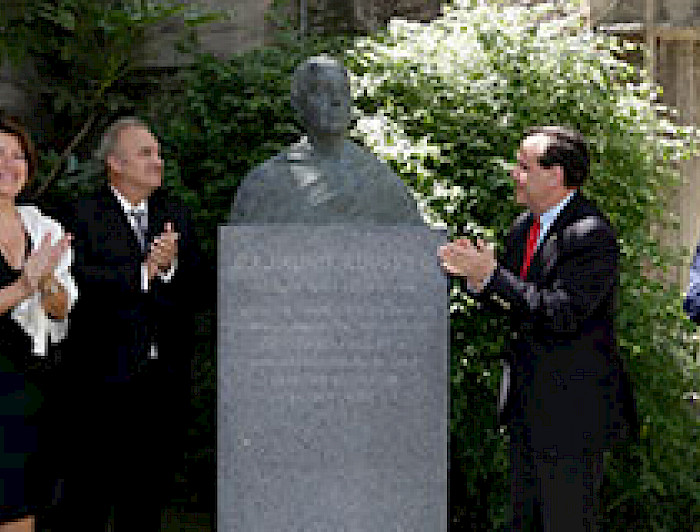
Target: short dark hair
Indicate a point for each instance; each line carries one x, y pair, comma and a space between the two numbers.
568, 149
12, 126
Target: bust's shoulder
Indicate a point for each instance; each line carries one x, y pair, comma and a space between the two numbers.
271, 169
363, 153
262, 189
373, 166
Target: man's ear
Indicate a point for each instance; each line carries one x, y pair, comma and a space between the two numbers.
557, 176
114, 163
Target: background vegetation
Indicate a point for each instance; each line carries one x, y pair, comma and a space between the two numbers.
445, 103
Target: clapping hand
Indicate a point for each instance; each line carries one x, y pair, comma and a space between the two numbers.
162, 251
43, 260
475, 261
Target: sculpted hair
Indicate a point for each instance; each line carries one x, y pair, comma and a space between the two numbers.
12, 127
568, 149
308, 73
110, 137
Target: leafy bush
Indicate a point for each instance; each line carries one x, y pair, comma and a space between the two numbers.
86, 61
227, 117
446, 103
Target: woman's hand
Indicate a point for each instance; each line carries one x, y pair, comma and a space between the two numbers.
43, 260
54, 298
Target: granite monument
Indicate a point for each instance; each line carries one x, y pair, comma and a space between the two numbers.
333, 339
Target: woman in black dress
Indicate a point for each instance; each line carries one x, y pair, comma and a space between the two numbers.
36, 294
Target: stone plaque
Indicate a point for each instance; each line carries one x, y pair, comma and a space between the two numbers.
332, 379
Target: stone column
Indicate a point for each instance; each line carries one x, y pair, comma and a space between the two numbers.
687, 102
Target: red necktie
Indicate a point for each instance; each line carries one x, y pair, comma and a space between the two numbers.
531, 244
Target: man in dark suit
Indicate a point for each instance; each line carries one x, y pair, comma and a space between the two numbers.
565, 395
128, 366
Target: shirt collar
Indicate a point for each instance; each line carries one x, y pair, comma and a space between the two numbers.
127, 207
547, 217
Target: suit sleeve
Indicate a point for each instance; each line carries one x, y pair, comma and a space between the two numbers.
585, 271
99, 274
183, 291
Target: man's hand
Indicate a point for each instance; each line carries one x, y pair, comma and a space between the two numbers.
162, 252
474, 262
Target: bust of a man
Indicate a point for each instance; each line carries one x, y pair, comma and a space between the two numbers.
325, 177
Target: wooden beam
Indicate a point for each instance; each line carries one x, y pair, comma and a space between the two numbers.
663, 31
676, 33
649, 22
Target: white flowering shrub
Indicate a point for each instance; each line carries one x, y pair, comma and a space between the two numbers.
446, 104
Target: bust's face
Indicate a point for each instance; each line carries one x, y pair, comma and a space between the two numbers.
325, 107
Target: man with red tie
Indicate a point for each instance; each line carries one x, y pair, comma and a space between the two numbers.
565, 396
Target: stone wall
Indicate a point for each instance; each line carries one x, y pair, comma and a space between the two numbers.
678, 71
368, 15
674, 36
244, 28
248, 27
672, 12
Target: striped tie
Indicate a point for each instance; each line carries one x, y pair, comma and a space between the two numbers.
141, 224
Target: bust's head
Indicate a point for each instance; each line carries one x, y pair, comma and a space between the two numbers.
321, 96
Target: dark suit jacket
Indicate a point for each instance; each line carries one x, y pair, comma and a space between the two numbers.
569, 392
115, 322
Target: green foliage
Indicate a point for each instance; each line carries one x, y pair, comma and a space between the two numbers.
227, 117
85, 57
230, 116
446, 103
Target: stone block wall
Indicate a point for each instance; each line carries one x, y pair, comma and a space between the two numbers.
678, 71
244, 28
673, 12
368, 15
676, 67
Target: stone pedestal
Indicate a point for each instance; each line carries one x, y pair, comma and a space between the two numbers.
332, 379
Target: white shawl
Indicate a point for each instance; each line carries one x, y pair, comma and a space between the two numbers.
29, 314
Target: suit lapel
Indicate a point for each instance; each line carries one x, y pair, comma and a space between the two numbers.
548, 250
158, 215
118, 228
155, 225
515, 248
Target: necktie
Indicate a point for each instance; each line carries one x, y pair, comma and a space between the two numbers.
532, 237
140, 226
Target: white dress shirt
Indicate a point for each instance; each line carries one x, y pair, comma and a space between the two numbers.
128, 209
